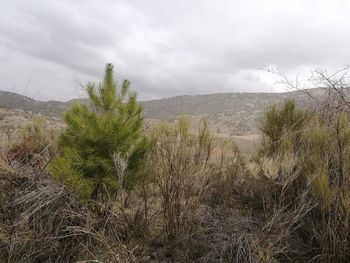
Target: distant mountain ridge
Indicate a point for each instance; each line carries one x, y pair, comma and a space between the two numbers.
229, 113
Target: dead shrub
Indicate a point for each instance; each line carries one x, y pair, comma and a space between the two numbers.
36, 146
180, 163
233, 183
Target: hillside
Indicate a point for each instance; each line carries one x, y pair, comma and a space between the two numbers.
230, 113
16, 101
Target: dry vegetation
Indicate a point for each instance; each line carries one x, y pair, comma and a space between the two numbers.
195, 198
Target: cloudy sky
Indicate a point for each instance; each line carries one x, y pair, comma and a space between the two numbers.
167, 47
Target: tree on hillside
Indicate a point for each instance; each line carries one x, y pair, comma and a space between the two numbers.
103, 142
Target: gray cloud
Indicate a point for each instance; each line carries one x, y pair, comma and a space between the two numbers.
167, 48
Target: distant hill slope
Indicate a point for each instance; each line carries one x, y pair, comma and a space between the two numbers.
229, 113
16, 101
209, 104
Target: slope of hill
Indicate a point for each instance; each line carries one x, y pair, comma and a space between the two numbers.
229, 113
48, 108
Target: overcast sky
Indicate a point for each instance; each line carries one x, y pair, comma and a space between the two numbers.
167, 47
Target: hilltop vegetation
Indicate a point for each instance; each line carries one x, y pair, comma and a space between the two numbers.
104, 189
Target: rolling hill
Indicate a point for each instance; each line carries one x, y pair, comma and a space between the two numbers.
233, 115
230, 113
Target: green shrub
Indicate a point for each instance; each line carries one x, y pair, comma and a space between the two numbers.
279, 123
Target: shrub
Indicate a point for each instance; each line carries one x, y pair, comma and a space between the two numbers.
36, 145
279, 122
180, 161
229, 175
310, 170
111, 126
325, 164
